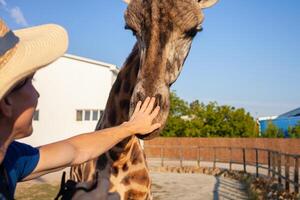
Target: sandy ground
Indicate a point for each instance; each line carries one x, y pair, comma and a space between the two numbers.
166, 186
169, 186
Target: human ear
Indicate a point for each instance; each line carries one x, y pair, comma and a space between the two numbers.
6, 106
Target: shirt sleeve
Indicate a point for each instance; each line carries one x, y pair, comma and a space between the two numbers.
26, 159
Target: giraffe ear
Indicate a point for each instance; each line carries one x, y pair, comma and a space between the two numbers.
206, 3
127, 1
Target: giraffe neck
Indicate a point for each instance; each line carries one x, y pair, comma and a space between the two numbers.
129, 175
118, 104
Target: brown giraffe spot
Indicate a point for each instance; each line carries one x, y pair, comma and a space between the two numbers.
136, 156
134, 194
144, 154
102, 162
79, 173
117, 85
124, 104
127, 86
86, 173
169, 67
126, 180
123, 143
140, 177
131, 91
125, 167
112, 116
114, 155
136, 70
115, 171
128, 73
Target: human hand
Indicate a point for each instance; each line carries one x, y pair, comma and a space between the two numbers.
142, 117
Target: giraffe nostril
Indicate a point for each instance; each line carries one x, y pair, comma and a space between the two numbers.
158, 101
140, 97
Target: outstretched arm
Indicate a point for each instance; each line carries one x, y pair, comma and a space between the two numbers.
85, 147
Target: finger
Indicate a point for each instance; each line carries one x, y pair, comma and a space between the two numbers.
150, 106
137, 108
145, 104
155, 126
155, 112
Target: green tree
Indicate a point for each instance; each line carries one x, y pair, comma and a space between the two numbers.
199, 120
175, 126
178, 107
273, 131
243, 123
294, 132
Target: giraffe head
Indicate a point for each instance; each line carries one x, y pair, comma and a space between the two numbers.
164, 30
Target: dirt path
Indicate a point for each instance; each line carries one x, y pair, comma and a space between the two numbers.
166, 186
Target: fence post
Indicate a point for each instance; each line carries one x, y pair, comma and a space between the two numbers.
180, 153
162, 156
287, 173
273, 164
296, 174
198, 157
230, 162
279, 167
269, 163
244, 160
214, 157
256, 161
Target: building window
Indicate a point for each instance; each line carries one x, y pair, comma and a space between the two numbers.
87, 115
79, 114
36, 115
95, 115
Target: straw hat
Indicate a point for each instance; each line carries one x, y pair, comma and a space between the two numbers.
24, 51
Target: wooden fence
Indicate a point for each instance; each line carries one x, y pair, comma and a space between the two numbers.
281, 166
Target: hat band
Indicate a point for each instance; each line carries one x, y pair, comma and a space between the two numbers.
7, 42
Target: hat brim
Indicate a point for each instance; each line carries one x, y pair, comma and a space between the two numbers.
38, 46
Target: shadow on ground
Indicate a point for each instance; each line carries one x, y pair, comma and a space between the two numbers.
226, 188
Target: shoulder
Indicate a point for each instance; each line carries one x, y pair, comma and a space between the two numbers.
20, 148
18, 151
21, 158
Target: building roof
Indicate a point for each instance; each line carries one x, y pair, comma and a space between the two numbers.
267, 118
112, 67
292, 113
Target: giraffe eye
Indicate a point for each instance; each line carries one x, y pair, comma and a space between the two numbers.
127, 27
192, 32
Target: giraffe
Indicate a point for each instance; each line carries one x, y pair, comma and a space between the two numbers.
164, 30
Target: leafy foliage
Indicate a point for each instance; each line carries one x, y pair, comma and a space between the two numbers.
273, 131
199, 120
294, 132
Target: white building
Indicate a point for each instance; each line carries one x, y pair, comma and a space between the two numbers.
73, 94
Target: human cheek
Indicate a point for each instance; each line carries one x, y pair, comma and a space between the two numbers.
32, 96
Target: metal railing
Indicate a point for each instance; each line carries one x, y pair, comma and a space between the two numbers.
273, 161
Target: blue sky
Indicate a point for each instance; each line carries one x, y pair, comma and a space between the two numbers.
247, 56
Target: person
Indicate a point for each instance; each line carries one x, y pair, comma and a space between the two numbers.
22, 53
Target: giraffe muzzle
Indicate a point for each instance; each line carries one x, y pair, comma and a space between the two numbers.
162, 100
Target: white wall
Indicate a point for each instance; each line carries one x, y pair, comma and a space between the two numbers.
68, 84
